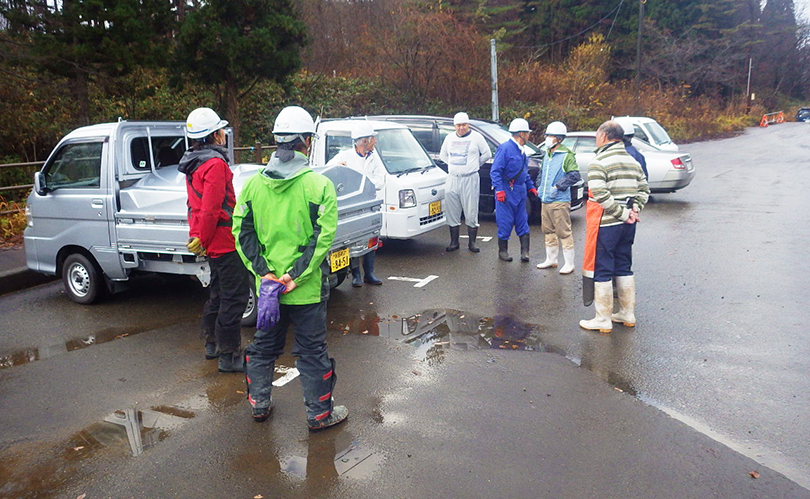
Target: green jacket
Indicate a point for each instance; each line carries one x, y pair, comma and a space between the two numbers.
284, 222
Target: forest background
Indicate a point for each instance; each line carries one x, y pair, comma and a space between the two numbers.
68, 63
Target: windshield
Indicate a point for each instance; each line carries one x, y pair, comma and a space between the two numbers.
400, 151
501, 134
659, 135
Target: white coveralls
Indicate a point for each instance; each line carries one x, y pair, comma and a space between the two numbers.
464, 156
371, 166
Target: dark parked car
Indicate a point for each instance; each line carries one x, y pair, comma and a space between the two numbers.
803, 114
431, 131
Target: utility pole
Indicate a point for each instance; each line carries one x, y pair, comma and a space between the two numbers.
494, 77
748, 87
641, 3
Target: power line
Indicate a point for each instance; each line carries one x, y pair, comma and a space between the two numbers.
589, 28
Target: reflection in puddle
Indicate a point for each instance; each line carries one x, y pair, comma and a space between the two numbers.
354, 461
46, 472
147, 427
434, 332
46, 352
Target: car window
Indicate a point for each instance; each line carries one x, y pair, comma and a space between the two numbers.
640, 133
424, 134
165, 151
337, 141
658, 134
444, 131
75, 165
400, 151
583, 144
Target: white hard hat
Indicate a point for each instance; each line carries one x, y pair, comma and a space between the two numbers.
291, 122
363, 129
556, 128
202, 122
627, 125
460, 119
519, 125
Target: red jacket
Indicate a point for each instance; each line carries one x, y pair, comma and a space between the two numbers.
210, 200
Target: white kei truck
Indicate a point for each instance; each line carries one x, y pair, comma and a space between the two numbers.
109, 203
413, 193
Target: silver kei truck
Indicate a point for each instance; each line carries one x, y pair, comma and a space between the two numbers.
109, 203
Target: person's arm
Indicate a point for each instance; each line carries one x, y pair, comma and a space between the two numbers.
214, 178
571, 171
338, 159
444, 154
643, 193
323, 214
376, 171
483, 149
244, 232
496, 172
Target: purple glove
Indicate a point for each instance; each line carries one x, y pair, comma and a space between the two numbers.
269, 311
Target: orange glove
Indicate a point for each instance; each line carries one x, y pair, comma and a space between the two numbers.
500, 196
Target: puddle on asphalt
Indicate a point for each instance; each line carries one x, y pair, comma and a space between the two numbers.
46, 352
129, 431
356, 461
436, 332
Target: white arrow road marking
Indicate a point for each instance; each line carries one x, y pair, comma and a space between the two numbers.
419, 282
486, 239
289, 374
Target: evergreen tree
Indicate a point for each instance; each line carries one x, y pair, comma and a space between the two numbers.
85, 40
777, 63
230, 45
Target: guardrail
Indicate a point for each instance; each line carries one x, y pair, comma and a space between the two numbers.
257, 150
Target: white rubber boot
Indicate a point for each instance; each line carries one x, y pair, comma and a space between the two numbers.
603, 303
551, 257
626, 289
568, 256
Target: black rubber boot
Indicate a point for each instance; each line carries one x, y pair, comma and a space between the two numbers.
524, 248
232, 362
454, 231
368, 268
211, 351
472, 232
503, 247
357, 279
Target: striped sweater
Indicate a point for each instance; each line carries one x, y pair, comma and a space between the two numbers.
613, 178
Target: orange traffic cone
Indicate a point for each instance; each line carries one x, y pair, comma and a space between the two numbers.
764, 122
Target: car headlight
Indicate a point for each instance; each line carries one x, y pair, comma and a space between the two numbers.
407, 198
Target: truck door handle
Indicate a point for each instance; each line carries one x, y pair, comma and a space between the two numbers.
97, 203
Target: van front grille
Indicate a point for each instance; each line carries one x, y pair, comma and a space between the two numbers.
431, 219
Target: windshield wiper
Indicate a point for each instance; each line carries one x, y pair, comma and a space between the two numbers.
409, 170
428, 167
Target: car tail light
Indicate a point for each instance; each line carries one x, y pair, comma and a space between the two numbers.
678, 164
374, 242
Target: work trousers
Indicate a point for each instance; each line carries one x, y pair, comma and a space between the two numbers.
227, 299
614, 252
461, 194
555, 220
512, 213
316, 369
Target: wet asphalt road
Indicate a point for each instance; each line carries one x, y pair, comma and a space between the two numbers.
719, 345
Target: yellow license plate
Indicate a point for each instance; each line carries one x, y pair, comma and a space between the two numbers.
434, 208
339, 259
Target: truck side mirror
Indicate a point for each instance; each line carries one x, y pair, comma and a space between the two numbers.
39, 184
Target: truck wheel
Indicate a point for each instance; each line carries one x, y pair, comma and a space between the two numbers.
251, 313
83, 281
336, 279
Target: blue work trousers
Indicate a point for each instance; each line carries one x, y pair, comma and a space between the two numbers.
316, 369
614, 252
512, 213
